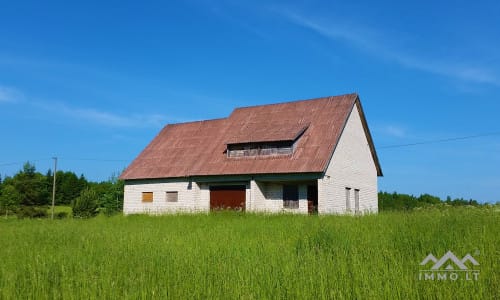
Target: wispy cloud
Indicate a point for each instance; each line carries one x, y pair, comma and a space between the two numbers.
9, 95
395, 131
392, 130
100, 117
85, 114
370, 41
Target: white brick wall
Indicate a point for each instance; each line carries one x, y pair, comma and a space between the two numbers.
191, 197
351, 166
268, 197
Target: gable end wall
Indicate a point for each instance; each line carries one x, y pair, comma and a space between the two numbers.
351, 166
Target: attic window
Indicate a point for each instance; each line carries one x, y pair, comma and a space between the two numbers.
262, 141
260, 149
281, 141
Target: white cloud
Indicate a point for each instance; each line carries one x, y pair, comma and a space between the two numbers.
9, 95
95, 116
392, 130
92, 115
395, 131
371, 42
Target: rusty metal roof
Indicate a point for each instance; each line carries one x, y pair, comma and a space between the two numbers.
199, 148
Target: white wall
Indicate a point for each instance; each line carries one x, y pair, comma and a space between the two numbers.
191, 197
351, 166
268, 197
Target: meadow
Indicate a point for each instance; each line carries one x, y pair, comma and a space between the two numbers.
247, 256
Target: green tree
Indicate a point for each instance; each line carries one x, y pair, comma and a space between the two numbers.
31, 185
111, 200
85, 206
110, 195
68, 186
429, 199
9, 199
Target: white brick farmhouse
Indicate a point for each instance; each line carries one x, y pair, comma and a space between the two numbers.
309, 156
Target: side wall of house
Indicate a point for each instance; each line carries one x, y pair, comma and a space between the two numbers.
191, 196
351, 167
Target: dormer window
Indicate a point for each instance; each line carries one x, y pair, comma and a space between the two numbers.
260, 149
267, 144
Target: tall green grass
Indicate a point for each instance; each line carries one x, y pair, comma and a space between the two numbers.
246, 256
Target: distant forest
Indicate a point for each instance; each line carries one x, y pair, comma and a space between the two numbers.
396, 201
29, 189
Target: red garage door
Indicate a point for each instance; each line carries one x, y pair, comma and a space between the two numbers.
227, 197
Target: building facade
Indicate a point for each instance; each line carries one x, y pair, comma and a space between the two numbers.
309, 156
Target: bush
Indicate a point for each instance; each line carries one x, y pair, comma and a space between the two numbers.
85, 206
61, 215
31, 212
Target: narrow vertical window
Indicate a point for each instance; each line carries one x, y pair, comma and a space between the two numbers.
356, 200
348, 199
172, 196
147, 197
291, 196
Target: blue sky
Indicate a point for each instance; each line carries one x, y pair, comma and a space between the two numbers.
94, 82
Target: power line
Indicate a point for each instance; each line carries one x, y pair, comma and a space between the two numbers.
67, 159
23, 162
94, 159
441, 140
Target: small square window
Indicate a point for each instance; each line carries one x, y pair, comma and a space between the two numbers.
147, 197
172, 196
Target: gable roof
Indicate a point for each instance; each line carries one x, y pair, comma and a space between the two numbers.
199, 148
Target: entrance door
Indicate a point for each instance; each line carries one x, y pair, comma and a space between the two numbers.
231, 197
312, 199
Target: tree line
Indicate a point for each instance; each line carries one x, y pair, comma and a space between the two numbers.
396, 201
29, 192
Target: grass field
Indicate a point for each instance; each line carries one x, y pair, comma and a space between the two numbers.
246, 256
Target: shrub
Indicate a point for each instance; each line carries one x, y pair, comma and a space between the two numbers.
31, 212
61, 215
85, 206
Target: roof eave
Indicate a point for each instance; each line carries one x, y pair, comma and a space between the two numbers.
369, 137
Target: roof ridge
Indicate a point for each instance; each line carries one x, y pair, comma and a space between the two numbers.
296, 101
199, 121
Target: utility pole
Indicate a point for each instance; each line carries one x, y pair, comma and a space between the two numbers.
54, 186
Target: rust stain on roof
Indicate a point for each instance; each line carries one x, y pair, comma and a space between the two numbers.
198, 148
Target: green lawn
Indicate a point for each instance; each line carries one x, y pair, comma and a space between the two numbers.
59, 209
234, 256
